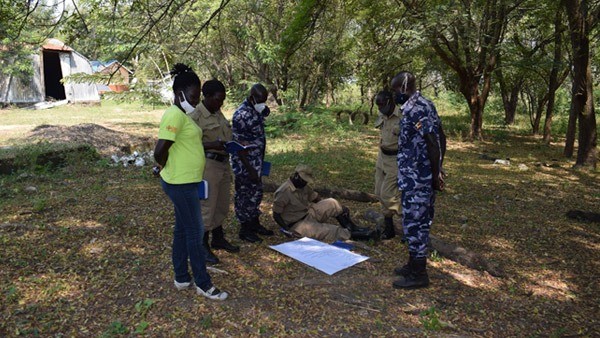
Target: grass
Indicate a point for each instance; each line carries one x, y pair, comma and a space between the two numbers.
88, 254
131, 117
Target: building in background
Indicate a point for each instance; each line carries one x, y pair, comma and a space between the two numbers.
119, 75
51, 65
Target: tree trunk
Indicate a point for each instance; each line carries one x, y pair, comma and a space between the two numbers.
553, 82
476, 110
580, 24
304, 94
273, 90
571, 131
510, 98
538, 116
5, 102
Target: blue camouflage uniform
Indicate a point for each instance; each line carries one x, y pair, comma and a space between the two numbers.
414, 171
248, 127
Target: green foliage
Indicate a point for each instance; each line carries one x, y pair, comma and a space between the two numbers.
435, 256
314, 121
308, 52
430, 319
141, 327
206, 322
141, 91
40, 204
45, 156
11, 294
143, 306
25, 24
115, 328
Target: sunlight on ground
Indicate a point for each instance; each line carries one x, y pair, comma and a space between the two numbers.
71, 222
48, 287
549, 284
500, 244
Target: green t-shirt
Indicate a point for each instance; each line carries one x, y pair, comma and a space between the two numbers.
185, 163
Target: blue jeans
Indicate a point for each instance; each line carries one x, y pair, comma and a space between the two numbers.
187, 234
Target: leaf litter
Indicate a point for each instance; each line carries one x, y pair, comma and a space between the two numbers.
101, 245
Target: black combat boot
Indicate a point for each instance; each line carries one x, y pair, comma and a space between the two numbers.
259, 229
210, 257
404, 270
219, 241
417, 278
356, 232
247, 233
388, 231
364, 234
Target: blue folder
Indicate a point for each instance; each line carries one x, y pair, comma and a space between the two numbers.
203, 190
266, 169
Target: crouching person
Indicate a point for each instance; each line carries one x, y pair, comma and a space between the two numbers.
299, 210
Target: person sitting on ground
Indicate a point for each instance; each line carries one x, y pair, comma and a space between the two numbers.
299, 210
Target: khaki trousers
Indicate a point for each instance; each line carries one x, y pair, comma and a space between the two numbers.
386, 185
314, 226
216, 207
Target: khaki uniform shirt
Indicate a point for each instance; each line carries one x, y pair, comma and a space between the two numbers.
214, 126
390, 130
293, 203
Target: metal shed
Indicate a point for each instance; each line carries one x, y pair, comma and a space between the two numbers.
54, 61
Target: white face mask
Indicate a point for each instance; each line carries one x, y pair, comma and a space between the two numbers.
185, 105
260, 107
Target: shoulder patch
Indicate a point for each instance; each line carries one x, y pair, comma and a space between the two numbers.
172, 129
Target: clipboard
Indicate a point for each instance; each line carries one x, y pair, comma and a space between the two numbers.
203, 190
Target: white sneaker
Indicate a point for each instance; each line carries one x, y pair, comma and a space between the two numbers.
182, 286
212, 293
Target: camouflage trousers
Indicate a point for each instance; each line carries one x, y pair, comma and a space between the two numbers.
248, 196
417, 216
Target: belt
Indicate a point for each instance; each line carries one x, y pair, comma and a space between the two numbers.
389, 152
294, 223
217, 157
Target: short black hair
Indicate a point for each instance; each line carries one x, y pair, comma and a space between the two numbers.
211, 87
184, 78
385, 94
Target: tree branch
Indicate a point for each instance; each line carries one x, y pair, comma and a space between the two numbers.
223, 4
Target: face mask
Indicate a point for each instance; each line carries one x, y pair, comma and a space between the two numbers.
298, 181
186, 106
401, 98
260, 107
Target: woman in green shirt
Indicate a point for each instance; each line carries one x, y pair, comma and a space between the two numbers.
180, 153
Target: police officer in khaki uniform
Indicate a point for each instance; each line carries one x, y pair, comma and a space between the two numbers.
298, 209
216, 130
386, 169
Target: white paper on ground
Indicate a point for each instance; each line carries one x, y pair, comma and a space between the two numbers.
324, 257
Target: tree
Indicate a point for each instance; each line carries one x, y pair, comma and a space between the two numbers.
555, 79
467, 35
582, 19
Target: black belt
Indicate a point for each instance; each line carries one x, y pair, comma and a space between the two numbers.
217, 157
294, 223
389, 152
